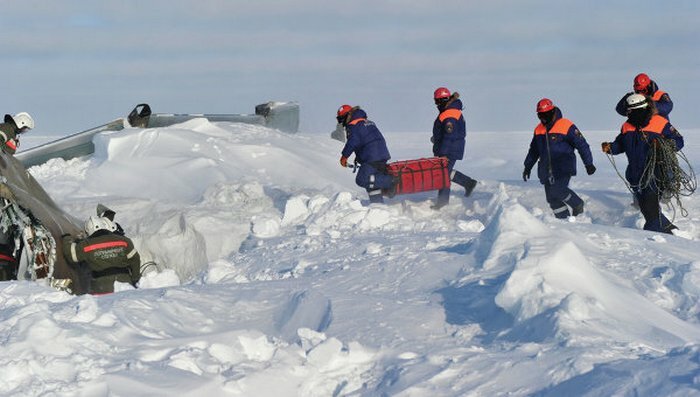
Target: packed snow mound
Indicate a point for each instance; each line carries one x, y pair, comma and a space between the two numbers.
224, 172
581, 301
188, 158
87, 332
553, 290
277, 278
668, 376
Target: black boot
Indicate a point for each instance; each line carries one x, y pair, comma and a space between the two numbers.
443, 198
561, 212
437, 206
670, 228
391, 192
468, 183
469, 187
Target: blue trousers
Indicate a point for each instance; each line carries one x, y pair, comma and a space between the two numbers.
654, 219
373, 180
559, 196
456, 177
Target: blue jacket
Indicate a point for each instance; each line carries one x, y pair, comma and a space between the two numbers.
450, 132
563, 138
636, 142
661, 99
364, 139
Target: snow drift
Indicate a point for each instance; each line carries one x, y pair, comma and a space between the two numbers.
280, 280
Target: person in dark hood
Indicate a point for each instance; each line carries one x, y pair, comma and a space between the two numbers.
449, 139
553, 146
644, 85
371, 153
638, 137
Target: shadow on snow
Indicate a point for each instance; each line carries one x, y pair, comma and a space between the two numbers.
475, 303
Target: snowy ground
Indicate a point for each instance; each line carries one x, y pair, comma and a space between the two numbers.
279, 280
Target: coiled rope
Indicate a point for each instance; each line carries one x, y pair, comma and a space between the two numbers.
664, 171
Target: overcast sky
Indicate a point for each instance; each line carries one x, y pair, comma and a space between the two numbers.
76, 64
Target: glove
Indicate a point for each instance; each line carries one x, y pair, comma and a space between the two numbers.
606, 147
432, 139
526, 174
6, 193
343, 161
590, 169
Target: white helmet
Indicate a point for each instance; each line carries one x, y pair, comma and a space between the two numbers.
636, 101
21, 120
95, 223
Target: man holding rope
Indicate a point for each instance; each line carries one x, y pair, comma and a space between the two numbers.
642, 138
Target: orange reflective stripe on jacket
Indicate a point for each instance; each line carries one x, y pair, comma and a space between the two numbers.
356, 121
109, 244
657, 95
561, 126
656, 125
450, 113
7, 258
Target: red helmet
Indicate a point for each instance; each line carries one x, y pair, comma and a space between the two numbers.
344, 110
442, 93
641, 83
544, 105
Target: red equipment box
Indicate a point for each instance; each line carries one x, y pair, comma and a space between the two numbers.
420, 175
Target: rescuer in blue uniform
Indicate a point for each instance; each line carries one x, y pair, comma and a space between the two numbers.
553, 145
638, 136
449, 138
367, 142
646, 86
